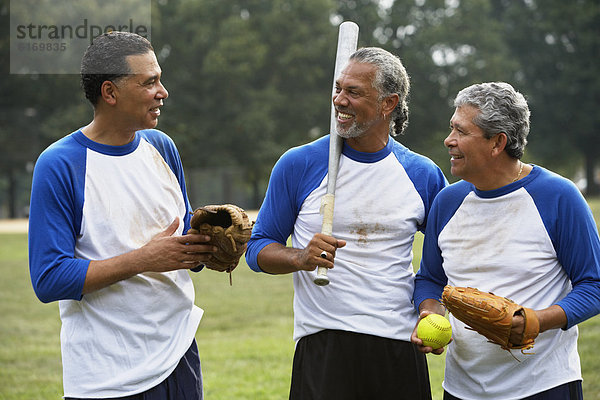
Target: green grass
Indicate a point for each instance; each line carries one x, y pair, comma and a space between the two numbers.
244, 339
30, 365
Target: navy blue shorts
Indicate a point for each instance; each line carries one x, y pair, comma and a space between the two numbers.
568, 391
184, 383
332, 365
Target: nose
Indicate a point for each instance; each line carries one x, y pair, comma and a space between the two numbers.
339, 99
162, 92
450, 140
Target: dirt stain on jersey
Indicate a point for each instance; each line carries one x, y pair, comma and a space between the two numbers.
365, 233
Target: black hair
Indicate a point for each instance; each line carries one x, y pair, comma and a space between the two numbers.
106, 60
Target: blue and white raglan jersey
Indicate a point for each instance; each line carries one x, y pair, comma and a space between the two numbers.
91, 202
534, 241
381, 200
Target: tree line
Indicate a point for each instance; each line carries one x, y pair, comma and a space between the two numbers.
250, 78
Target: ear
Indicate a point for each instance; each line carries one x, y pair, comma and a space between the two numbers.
108, 92
499, 143
389, 103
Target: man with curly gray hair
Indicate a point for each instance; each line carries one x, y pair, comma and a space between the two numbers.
391, 79
517, 230
353, 336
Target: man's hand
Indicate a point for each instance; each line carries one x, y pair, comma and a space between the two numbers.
162, 253
276, 258
166, 252
427, 307
320, 252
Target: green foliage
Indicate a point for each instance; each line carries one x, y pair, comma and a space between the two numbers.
443, 52
244, 84
249, 85
250, 78
557, 45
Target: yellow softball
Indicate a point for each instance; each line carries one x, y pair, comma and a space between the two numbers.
434, 330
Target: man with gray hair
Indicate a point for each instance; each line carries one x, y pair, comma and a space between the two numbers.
353, 336
516, 230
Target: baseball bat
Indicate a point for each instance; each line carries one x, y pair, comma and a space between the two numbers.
347, 42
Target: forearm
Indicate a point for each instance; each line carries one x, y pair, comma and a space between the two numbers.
276, 259
553, 317
103, 273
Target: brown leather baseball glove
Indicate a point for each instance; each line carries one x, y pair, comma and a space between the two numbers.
229, 229
491, 315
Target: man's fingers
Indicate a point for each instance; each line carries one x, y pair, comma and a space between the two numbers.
195, 238
171, 229
200, 249
327, 249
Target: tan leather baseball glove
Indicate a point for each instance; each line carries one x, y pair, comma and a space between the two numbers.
491, 315
229, 229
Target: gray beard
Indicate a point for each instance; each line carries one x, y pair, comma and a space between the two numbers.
355, 130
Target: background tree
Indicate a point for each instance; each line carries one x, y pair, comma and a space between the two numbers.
557, 44
443, 51
250, 78
34, 110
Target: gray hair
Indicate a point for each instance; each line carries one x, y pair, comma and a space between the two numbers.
106, 60
390, 78
501, 109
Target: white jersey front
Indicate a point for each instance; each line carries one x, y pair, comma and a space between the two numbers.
95, 202
381, 200
533, 241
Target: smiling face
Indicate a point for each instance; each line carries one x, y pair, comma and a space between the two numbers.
141, 94
357, 105
470, 151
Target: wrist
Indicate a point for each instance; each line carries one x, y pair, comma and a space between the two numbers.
432, 306
553, 317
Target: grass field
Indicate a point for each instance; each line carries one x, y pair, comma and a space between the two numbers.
245, 337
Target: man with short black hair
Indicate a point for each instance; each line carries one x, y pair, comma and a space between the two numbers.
108, 210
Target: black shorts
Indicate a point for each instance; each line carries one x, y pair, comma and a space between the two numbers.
331, 365
184, 383
568, 391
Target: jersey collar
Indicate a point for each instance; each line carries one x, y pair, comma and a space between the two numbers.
105, 148
359, 156
511, 187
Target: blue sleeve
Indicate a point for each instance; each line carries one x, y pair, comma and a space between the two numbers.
55, 220
574, 234
167, 148
431, 277
295, 175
